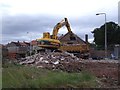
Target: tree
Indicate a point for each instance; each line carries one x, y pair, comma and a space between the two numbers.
113, 35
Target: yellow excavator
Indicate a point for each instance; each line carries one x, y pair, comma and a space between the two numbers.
51, 41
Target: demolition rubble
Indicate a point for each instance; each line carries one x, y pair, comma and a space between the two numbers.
64, 61
51, 60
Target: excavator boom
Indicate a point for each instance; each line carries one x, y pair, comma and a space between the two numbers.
58, 26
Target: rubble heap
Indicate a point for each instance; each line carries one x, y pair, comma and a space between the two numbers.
52, 60
66, 62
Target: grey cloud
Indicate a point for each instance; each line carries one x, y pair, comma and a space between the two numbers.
16, 27
119, 12
20, 24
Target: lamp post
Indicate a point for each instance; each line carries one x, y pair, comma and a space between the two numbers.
30, 43
105, 33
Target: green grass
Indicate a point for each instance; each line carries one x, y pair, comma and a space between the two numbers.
0, 78
17, 76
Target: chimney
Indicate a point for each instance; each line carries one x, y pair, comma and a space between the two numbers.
86, 38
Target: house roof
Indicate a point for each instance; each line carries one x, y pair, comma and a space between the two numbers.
27, 43
22, 44
18, 43
1, 45
34, 42
67, 38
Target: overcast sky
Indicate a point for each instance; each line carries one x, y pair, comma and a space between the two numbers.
38, 16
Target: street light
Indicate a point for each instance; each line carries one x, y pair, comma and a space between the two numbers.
30, 42
105, 33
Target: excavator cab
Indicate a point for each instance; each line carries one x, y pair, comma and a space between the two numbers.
48, 43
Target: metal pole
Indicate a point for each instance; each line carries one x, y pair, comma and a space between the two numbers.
105, 37
105, 34
30, 47
30, 42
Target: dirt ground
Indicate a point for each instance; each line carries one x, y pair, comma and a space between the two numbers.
107, 71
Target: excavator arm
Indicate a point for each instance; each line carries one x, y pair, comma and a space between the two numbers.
51, 41
58, 26
67, 25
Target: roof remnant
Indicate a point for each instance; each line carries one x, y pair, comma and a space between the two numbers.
71, 37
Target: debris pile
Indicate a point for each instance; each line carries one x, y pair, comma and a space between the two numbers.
67, 62
52, 60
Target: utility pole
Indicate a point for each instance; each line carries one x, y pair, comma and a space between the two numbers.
105, 34
30, 43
